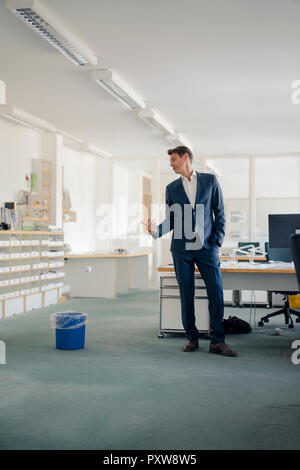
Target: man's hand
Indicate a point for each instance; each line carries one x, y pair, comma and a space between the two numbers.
151, 226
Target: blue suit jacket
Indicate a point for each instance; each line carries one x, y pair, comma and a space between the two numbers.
207, 218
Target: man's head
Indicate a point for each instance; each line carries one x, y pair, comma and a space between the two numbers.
181, 157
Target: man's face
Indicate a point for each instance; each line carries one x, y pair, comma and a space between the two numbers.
177, 162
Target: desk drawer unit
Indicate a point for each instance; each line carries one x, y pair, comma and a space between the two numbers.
170, 307
254, 297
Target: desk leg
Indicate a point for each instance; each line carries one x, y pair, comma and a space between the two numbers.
122, 275
139, 272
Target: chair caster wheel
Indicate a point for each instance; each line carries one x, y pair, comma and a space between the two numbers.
260, 323
291, 325
266, 320
161, 335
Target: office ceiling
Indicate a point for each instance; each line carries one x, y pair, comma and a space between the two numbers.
219, 72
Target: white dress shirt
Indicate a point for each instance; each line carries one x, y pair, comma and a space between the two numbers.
190, 187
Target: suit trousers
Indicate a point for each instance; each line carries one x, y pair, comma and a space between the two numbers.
208, 262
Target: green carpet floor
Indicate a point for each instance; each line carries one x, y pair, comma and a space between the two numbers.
130, 390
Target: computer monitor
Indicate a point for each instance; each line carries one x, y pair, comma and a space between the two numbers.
280, 228
278, 254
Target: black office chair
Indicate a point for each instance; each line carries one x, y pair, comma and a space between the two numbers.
281, 254
295, 252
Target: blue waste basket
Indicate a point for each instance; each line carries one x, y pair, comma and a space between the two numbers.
70, 329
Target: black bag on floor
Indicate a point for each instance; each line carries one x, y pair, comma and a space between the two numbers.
235, 325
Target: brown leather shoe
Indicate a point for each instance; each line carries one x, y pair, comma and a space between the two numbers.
191, 346
223, 349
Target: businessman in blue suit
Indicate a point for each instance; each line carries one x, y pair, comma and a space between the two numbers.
195, 214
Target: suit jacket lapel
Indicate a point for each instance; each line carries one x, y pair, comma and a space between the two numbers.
182, 192
198, 186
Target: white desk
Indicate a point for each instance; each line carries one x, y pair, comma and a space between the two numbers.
244, 276
260, 276
105, 275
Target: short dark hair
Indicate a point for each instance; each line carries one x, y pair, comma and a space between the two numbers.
181, 150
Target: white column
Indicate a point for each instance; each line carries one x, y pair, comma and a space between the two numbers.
53, 151
2, 92
103, 200
155, 196
110, 166
299, 182
110, 176
252, 199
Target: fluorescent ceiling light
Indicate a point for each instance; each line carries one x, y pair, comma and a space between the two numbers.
116, 87
92, 149
46, 24
177, 139
70, 139
25, 118
80, 144
154, 120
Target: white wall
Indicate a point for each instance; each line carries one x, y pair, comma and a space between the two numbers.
127, 202
18, 146
120, 202
86, 177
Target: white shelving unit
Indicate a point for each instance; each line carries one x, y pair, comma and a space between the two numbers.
31, 270
38, 209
